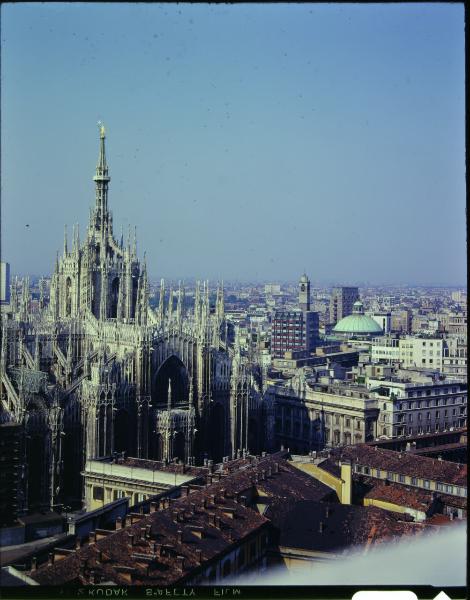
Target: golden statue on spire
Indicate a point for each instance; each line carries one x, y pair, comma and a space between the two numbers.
102, 129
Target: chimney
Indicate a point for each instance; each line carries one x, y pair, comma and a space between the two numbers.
119, 523
346, 482
148, 529
198, 553
92, 577
34, 563
217, 521
320, 527
130, 541
269, 472
211, 517
179, 536
153, 506
193, 508
91, 537
50, 559
222, 492
263, 475
243, 500
99, 556
174, 515
212, 497
276, 467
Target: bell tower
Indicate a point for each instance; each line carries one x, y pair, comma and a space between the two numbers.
304, 293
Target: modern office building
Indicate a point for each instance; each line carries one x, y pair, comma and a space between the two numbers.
342, 301
295, 330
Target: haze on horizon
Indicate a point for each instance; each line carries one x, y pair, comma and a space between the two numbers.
245, 142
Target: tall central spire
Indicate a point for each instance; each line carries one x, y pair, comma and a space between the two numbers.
102, 167
101, 180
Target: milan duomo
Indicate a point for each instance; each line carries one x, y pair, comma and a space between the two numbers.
97, 371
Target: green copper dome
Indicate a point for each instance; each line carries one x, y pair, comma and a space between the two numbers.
358, 322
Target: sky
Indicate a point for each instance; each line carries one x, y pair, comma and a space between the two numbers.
244, 141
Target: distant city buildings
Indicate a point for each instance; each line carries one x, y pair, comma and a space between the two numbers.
4, 282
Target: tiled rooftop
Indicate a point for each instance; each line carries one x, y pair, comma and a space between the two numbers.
401, 495
325, 527
404, 463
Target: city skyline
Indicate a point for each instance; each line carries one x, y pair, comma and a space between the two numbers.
194, 208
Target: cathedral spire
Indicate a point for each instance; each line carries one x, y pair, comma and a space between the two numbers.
101, 179
65, 240
169, 393
161, 304
102, 167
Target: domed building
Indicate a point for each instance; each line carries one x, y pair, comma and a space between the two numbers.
358, 324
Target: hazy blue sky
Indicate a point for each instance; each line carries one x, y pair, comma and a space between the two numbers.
244, 141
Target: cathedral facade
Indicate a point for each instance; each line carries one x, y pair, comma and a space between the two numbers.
95, 370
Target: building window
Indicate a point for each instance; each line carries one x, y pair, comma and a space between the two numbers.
426, 484
401, 478
98, 493
440, 487
414, 481
449, 489
390, 475
379, 473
